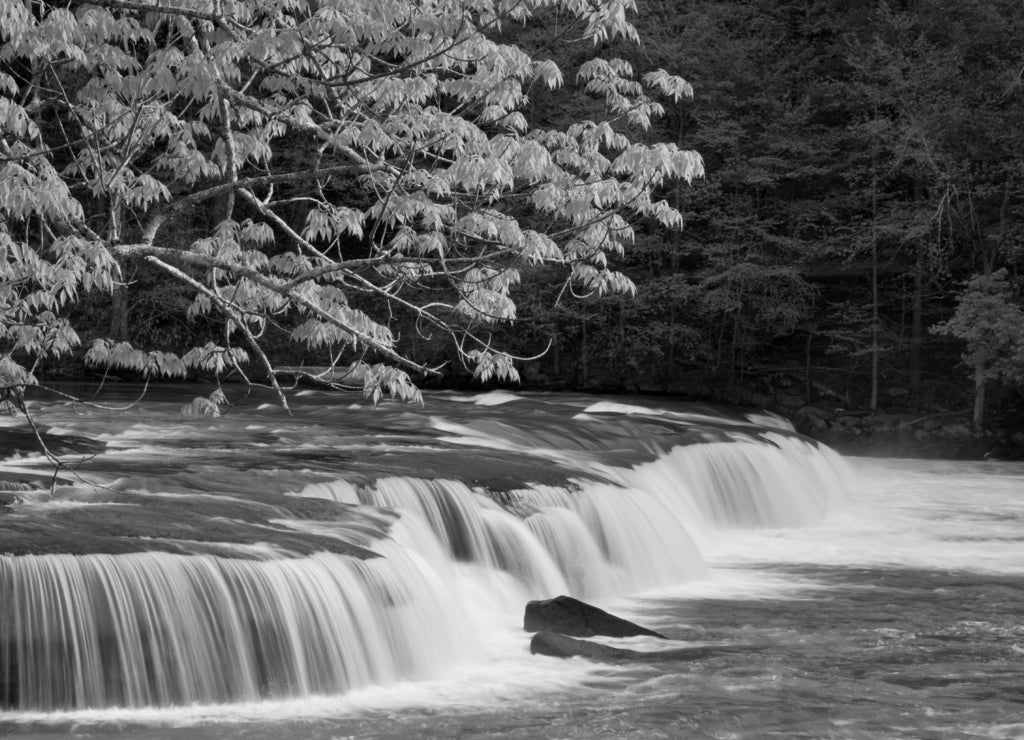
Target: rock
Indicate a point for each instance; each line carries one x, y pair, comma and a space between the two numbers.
790, 402
569, 616
31, 481
827, 392
957, 431
815, 412
746, 397
23, 440
884, 420
560, 646
811, 419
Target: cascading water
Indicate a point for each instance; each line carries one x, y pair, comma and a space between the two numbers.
559, 498
159, 629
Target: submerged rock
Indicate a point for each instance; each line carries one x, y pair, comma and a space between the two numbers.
561, 646
86, 521
568, 616
23, 440
7, 500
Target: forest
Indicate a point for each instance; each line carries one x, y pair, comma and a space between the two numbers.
810, 206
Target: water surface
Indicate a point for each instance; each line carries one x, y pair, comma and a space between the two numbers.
891, 609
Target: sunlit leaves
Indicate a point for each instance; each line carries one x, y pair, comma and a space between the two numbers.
379, 380
212, 405
256, 233
539, 248
481, 174
15, 120
24, 192
215, 359
485, 294
657, 162
141, 190
327, 222
488, 365
669, 85
13, 375
548, 73
334, 323
36, 287
279, 159
123, 356
601, 281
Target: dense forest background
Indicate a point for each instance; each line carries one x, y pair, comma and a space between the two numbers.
856, 242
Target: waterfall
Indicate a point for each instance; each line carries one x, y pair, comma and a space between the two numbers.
154, 628
778, 481
611, 538
161, 628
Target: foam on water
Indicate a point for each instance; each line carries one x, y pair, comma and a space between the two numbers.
933, 515
495, 398
442, 600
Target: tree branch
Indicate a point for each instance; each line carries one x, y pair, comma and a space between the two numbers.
233, 313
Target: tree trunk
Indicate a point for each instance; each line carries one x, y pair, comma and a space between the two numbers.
670, 359
807, 365
917, 322
732, 351
874, 290
119, 313
917, 301
584, 380
979, 399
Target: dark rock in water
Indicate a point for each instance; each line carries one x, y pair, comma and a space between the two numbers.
30, 481
560, 646
8, 500
23, 441
568, 616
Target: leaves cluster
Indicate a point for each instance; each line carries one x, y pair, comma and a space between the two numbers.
348, 155
990, 322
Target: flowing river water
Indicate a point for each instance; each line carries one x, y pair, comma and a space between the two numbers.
351, 571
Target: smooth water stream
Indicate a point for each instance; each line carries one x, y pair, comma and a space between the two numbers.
361, 572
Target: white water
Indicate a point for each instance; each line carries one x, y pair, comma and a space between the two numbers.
157, 629
914, 518
933, 516
441, 602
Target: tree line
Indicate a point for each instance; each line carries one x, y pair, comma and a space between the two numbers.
410, 192
858, 234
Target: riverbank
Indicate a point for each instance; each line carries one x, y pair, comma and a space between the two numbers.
945, 435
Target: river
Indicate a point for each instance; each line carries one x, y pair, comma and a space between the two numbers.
353, 571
